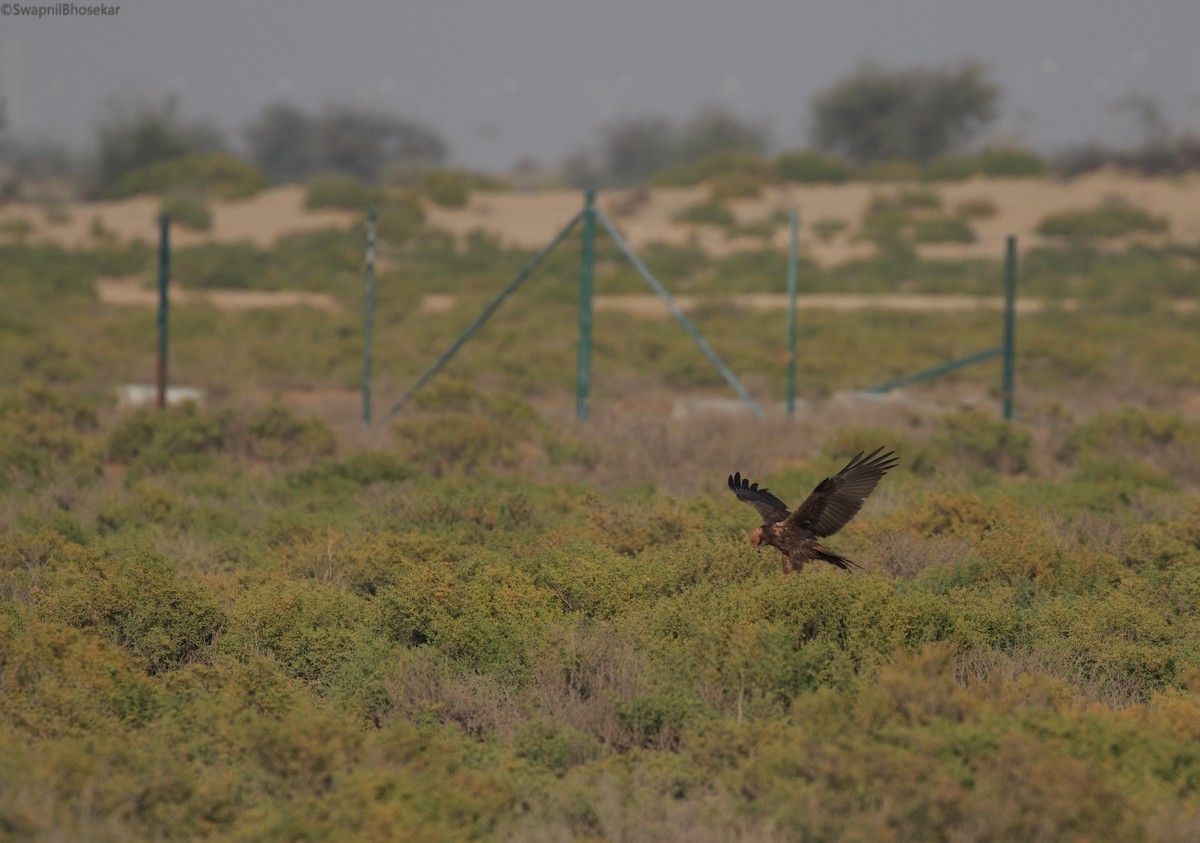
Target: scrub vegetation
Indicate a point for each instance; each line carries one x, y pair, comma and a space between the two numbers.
252, 621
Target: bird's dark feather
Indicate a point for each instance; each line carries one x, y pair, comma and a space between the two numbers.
771, 508
837, 499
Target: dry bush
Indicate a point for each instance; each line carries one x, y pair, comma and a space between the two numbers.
422, 684
578, 686
581, 682
906, 555
1046, 677
681, 457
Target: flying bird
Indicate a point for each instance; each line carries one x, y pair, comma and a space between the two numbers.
830, 507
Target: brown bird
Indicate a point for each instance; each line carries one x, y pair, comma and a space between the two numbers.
830, 507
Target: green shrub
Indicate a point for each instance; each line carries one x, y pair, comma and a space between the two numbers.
982, 440
658, 719
361, 468
187, 209
739, 185
172, 439
763, 228
1009, 162
890, 171
1166, 435
811, 166
238, 266
951, 168
942, 230
919, 199
742, 172
448, 188
976, 209
339, 190
137, 603
400, 219
43, 429
217, 174
16, 229
123, 259
309, 260
556, 748
450, 443
312, 629
278, 434
1111, 219
887, 225
314, 260
993, 162
711, 212
827, 228
64, 681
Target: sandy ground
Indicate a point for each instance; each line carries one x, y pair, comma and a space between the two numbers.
531, 219
650, 305
261, 219
131, 292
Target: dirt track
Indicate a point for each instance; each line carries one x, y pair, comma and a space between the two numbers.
130, 292
652, 306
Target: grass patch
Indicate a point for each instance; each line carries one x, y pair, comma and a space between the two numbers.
1113, 218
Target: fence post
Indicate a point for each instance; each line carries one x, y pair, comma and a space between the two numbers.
1010, 325
586, 282
793, 248
368, 319
164, 277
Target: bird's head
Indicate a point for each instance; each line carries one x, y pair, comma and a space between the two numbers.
756, 537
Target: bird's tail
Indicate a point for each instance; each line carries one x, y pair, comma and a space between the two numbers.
836, 559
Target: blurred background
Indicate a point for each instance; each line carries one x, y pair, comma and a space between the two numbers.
532, 83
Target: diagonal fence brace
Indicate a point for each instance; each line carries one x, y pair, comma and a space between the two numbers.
483, 317
641, 267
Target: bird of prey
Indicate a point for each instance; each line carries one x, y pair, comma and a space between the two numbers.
830, 507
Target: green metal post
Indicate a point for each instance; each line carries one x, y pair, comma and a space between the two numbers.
164, 277
586, 283
368, 318
1010, 324
793, 248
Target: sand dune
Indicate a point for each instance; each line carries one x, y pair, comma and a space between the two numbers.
529, 220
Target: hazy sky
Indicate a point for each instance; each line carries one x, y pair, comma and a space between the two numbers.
535, 78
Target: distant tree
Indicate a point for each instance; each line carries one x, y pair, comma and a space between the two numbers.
634, 149
40, 160
363, 143
138, 132
1148, 111
716, 130
914, 114
283, 142
290, 144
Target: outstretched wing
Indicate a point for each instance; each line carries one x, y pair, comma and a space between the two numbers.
771, 508
837, 499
